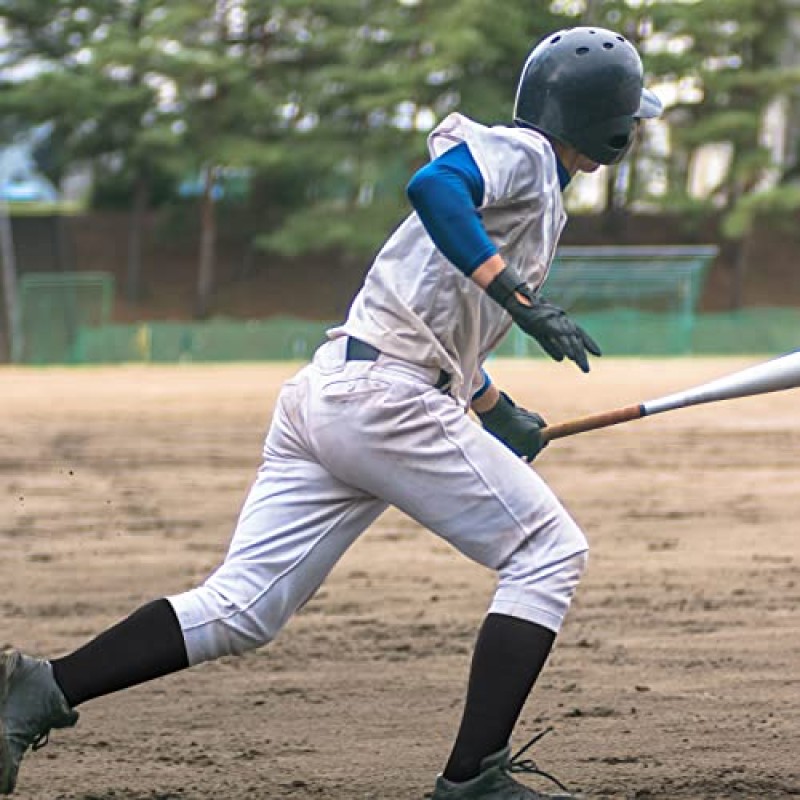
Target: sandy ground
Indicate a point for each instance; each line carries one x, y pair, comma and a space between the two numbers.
676, 675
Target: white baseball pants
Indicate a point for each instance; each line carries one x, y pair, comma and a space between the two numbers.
349, 438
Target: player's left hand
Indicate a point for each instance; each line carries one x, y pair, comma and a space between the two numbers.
519, 430
558, 335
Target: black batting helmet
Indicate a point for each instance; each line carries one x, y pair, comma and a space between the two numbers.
584, 87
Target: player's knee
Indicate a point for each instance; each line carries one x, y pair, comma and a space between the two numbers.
215, 625
241, 631
539, 580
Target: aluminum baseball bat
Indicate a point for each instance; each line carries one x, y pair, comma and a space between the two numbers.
774, 375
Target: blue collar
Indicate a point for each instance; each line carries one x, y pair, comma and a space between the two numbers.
563, 175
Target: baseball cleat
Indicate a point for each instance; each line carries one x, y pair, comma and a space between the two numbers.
494, 782
31, 705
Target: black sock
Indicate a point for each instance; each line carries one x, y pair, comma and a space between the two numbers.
148, 644
509, 655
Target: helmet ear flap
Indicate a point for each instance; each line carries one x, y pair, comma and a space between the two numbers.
632, 138
619, 142
623, 148
623, 142
606, 141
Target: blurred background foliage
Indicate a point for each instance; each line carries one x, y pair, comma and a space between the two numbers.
302, 120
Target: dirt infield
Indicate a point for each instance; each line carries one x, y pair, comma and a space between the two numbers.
677, 674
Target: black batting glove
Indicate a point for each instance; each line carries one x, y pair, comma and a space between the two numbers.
557, 334
519, 430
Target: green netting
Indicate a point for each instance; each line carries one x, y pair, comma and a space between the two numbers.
751, 331
218, 340
625, 332
620, 332
656, 279
55, 306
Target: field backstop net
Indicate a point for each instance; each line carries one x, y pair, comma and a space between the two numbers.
56, 307
632, 298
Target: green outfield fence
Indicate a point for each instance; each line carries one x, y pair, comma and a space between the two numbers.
622, 332
279, 339
635, 301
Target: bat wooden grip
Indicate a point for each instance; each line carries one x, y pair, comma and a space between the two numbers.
592, 422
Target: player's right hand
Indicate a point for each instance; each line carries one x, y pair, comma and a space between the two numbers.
517, 428
557, 334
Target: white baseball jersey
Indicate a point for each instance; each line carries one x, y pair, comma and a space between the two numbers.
416, 306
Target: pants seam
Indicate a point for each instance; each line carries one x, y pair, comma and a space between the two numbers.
259, 595
479, 475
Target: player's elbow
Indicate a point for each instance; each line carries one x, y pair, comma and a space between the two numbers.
420, 188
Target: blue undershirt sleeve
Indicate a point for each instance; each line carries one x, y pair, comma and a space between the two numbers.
446, 194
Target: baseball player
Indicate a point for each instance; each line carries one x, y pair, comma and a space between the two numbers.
380, 418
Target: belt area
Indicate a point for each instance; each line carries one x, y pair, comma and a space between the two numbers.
358, 350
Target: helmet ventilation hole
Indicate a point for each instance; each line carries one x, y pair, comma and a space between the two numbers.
555, 40
582, 51
608, 45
